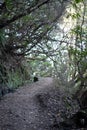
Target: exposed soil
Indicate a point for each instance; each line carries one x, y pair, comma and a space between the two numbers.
38, 106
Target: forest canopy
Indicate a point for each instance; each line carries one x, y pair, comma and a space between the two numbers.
46, 37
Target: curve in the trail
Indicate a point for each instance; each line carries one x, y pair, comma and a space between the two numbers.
26, 108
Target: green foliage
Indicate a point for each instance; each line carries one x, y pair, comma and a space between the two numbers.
9, 4
73, 15
2, 38
41, 68
3, 77
78, 1
76, 30
15, 79
28, 35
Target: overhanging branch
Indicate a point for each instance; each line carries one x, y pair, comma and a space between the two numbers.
27, 12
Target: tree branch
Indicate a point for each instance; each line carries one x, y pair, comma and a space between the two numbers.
27, 12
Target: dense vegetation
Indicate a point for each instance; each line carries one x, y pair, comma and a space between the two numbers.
46, 38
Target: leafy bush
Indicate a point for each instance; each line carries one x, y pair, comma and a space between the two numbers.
15, 79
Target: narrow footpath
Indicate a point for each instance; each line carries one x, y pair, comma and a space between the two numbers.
38, 106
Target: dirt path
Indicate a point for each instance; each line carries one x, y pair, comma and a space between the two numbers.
25, 109
39, 106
